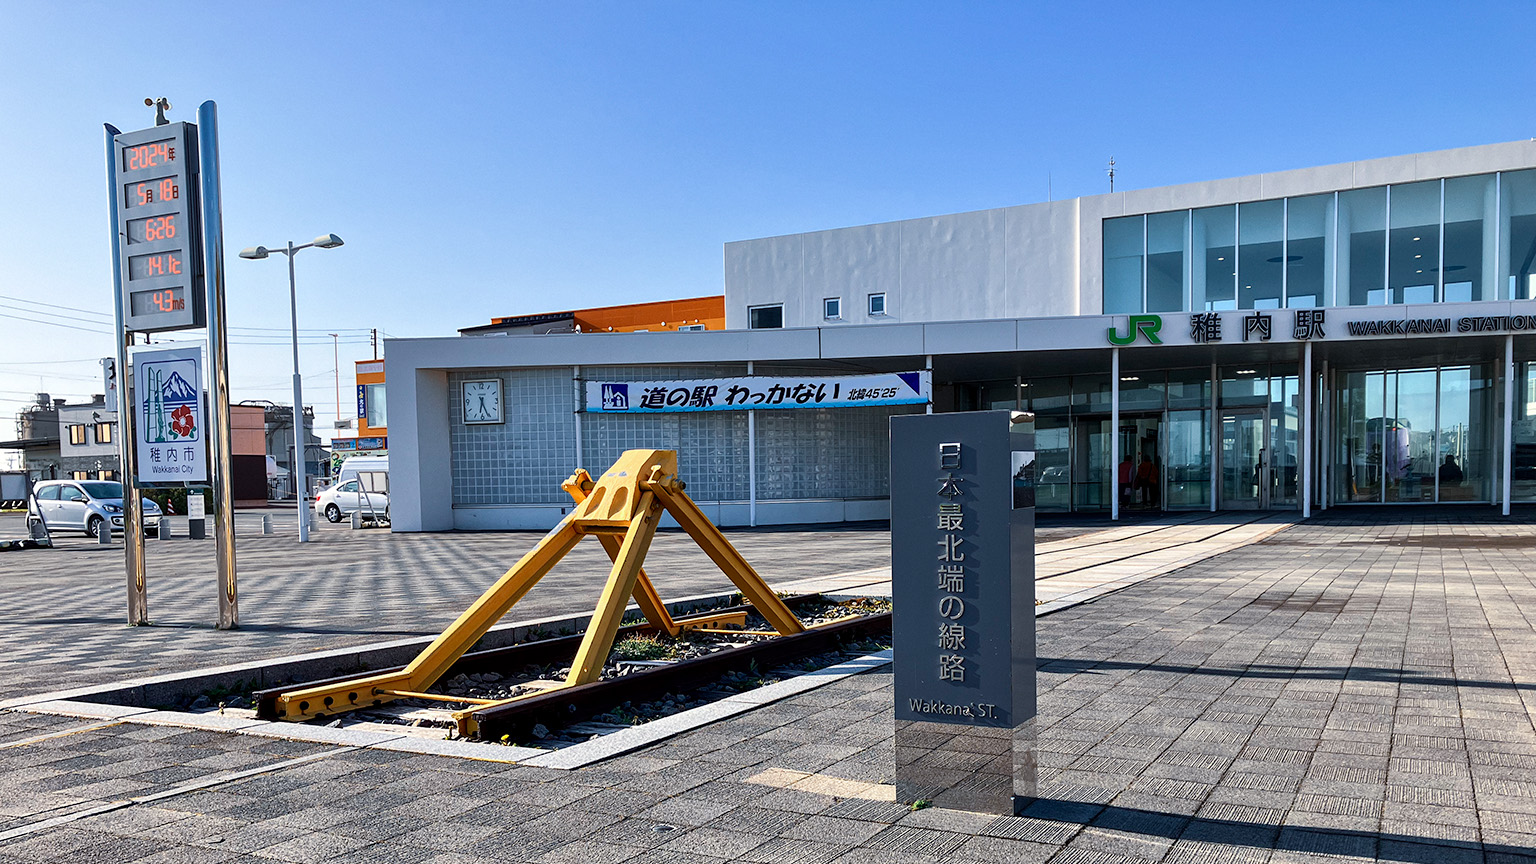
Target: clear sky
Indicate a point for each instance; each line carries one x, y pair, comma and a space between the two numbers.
503, 158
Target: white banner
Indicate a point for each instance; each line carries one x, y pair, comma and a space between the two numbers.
750, 392
169, 415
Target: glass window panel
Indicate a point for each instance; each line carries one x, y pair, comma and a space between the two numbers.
1309, 251
1046, 396
1189, 460
1284, 437
1415, 242
1093, 473
1464, 452
1214, 260
1244, 386
1123, 248
999, 395
1090, 393
1362, 246
1517, 235
1469, 241
1189, 388
1260, 230
1524, 486
1167, 237
1141, 391
1357, 464
1409, 436
1053, 463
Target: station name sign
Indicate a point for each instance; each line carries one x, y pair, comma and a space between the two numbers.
758, 392
1304, 325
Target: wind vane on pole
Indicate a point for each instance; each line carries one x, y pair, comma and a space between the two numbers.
161, 106
1111, 173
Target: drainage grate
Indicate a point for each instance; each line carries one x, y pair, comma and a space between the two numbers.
1298, 602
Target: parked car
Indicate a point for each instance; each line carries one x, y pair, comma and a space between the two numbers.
368, 492
84, 505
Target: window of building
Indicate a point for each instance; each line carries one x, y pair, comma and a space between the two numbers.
765, 317
77, 433
1124, 253
877, 304
832, 308
691, 327
71, 493
103, 433
373, 402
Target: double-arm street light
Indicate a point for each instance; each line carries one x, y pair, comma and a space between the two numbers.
256, 253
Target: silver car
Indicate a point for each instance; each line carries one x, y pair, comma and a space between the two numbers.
84, 505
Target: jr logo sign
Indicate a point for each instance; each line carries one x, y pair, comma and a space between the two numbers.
1138, 325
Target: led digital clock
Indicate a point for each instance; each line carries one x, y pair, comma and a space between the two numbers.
155, 265
157, 302
153, 228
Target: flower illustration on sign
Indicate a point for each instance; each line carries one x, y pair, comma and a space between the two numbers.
181, 422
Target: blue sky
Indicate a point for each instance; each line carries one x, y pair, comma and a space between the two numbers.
505, 158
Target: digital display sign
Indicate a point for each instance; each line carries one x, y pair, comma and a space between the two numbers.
153, 302
155, 265
152, 228
159, 237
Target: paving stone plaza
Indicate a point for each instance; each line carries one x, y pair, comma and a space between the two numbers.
1361, 686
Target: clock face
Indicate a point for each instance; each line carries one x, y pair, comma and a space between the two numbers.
482, 401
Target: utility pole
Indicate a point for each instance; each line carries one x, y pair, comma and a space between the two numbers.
336, 362
374, 338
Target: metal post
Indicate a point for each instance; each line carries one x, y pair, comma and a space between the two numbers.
751, 462
1306, 431
221, 463
1214, 431
928, 364
580, 399
1324, 438
133, 501
300, 442
1114, 433
1509, 418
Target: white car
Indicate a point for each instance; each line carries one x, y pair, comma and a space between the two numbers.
84, 505
345, 498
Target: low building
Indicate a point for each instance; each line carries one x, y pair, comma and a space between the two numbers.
1361, 333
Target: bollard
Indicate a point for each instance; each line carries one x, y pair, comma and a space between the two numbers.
266, 524
357, 518
104, 534
165, 528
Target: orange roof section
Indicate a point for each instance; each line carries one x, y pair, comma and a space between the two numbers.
657, 315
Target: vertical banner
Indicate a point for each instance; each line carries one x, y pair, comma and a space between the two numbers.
169, 415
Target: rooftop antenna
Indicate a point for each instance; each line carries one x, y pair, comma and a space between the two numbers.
161, 106
1050, 194
1111, 173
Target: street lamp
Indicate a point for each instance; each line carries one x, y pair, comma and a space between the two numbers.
256, 253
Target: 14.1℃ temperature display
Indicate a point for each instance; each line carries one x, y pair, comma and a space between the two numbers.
155, 265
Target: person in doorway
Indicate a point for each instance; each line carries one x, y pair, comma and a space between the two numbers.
1146, 480
1450, 472
1126, 474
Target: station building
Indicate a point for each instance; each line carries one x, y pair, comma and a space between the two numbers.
1350, 334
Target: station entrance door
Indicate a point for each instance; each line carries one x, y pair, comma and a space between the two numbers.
1257, 461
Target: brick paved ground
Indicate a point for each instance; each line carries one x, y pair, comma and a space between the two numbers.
1360, 687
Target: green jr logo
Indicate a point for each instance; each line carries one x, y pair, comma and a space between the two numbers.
1138, 325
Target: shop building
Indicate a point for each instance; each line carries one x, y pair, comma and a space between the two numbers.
1346, 334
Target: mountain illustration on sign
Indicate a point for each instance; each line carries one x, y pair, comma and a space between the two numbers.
170, 409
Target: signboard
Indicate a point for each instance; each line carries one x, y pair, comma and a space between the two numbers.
758, 392
169, 415
963, 627
159, 228
109, 381
196, 506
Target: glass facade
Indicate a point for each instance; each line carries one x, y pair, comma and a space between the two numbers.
1458, 239
1414, 435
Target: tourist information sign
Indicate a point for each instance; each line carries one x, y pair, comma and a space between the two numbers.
170, 415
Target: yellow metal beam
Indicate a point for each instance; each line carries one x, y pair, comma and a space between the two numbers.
646, 596
605, 622
725, 556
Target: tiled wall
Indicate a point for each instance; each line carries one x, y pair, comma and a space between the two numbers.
801, 453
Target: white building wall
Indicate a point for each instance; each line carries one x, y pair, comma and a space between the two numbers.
1033, 260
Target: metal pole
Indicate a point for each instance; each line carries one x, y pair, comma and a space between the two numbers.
300, 442
1114, 433
127, 437
1324, 438
222, 467
1215, 434
751, 462
335, 362
579, 399
1306, 431
1509, 418
928, 364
